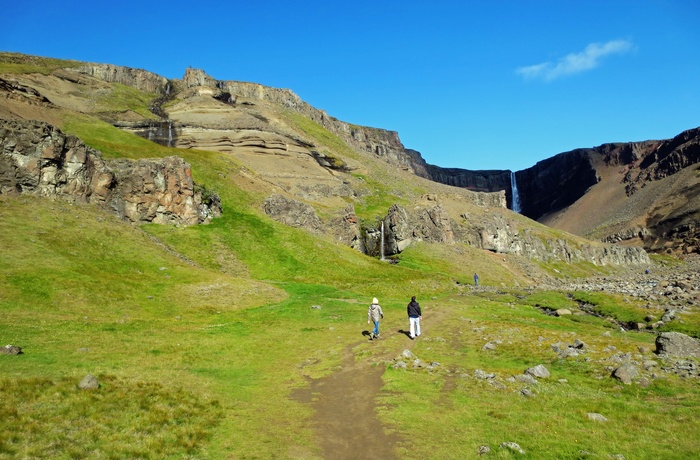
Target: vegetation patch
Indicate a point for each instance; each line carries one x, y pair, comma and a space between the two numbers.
52, 418
614, 306
23, 64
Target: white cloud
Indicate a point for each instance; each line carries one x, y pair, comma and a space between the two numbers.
575, 63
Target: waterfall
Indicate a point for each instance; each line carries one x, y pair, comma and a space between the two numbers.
514, 191
170, 133
381, 244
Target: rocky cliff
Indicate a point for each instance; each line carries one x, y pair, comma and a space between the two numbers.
555, 183
644, 193
382, 143
38, 159
142, 80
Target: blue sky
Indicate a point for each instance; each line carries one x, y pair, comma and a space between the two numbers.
469, 84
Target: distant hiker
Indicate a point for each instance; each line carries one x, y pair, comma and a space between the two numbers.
375, 313
414, 317
476, 279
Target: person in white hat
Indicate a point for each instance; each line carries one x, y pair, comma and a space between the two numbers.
374, 314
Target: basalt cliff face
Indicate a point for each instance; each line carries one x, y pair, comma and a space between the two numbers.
314, 169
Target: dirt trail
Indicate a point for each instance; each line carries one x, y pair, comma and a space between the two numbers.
345, 419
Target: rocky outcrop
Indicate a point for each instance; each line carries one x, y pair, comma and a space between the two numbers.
554, 184
136, 78
292, 213
505, 236
14, 90
432, 224
663, 158
159, 191
347, 229
38, 159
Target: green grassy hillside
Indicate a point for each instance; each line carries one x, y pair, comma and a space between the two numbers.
201, 336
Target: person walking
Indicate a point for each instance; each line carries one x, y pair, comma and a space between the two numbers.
476, 279
414, 317
374, 314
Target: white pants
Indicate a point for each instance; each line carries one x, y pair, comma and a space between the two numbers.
415, 326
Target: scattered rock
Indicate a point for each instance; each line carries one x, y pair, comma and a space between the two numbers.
483, 450
669, 315
568, 353
563, 312
489, 346
683, 368
407, 354
512, 446
597, 417
89, 382
482, 375
11, 350
677, 345
626, 373
526, 378
538, 371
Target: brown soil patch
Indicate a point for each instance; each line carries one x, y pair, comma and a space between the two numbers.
345, 419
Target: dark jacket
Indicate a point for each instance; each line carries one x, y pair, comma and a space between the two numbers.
413, 309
